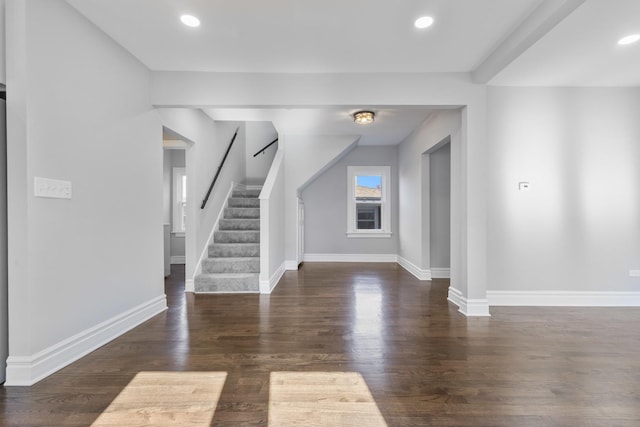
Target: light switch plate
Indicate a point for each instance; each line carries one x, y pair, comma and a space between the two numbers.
523, 185
634, 273
52, 188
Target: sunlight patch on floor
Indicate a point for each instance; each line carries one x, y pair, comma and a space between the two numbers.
165, 399
314, 399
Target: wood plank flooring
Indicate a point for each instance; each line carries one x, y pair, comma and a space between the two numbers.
424, 363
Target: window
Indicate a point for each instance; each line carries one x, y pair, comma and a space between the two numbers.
179, 200
368, 207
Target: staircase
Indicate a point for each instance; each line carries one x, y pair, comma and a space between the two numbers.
233, 264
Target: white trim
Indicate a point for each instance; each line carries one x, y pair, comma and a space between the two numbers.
385, 173
564, 298
178, 259
440, 273
419, 273
469, 307
177, 173
267, 286
189, 285
28, 370
178, 233
368, 234
205, 252
291, 264
350, 258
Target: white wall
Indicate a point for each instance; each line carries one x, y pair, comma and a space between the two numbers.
440, 206
272, 228
78, 110
259, 134
325, 201
578, 226
209, 140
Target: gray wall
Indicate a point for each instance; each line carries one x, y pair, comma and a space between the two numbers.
96, 128
325, 202
440, 206
577, 228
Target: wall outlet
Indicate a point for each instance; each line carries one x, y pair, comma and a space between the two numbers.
634, 273
52, 188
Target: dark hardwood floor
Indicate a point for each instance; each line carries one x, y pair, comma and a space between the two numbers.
424, 363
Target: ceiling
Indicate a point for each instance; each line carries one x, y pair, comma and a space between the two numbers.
499, 42
308, 36
391, 126
582, 50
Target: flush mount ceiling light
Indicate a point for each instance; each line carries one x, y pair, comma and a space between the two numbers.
423, 22
190, 21
363, 117
632, 38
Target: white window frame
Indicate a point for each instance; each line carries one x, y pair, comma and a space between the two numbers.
177, 204
385, 173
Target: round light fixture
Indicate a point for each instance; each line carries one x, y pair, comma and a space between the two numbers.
423, 22
363, 117
632, 38
190, 21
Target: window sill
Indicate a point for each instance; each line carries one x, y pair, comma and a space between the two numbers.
369, 234
178, 233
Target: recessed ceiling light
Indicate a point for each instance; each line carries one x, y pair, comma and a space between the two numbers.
190, 21
629, 39
423, 22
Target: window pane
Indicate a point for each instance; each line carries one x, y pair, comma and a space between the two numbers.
368, 216
368, 188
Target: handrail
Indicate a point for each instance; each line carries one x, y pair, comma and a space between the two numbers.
215, 178
266, 146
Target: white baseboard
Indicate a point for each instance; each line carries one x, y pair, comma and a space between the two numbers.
176, 259
189, 285
440, 273
563, 299
350, 258
419, 273
291, 264
469, 307
267, 286
28, 370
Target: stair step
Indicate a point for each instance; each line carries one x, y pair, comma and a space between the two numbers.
232, 250
227, 282
245, 193
236, 236
231, 265
239, 224
241, 213
244, 202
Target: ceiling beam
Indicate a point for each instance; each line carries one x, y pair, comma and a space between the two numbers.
542, 20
